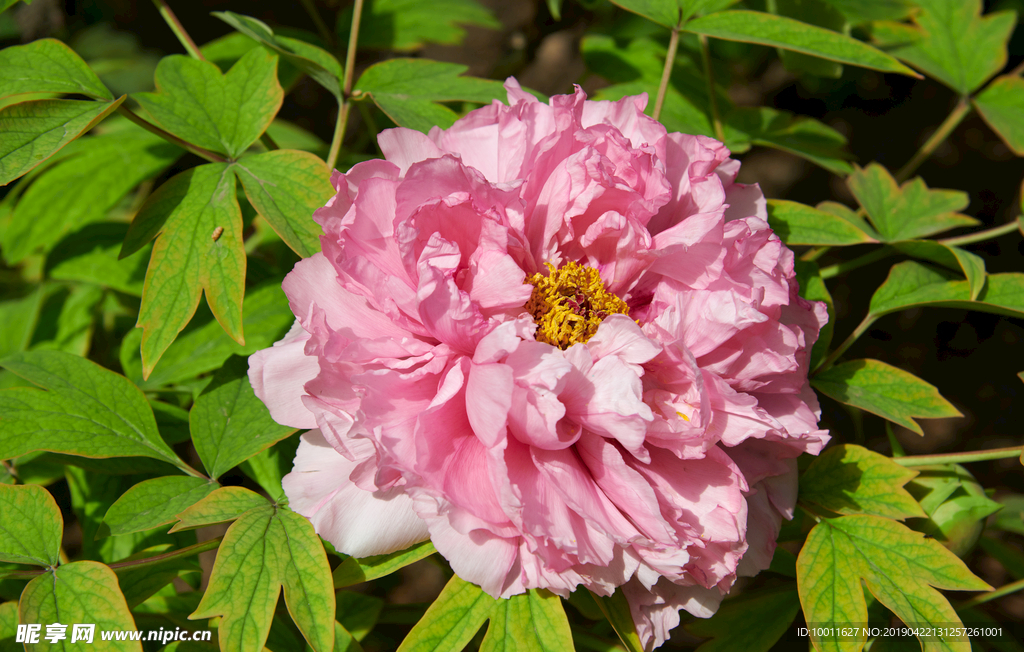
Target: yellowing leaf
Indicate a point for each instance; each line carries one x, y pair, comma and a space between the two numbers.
32, 526
452, 620
533, 621
355, 571
850, 479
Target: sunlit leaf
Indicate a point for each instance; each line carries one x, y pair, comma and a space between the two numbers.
972, 265
850, 479
222, 505
798, 224
912, 284
155, 502
750, 622
47, 65
616, 610
355, 571
670, 13
407, 25
32, 526
1001, 104
452, 620
533, 621
865, 11
800, 135
887, 391
813, 12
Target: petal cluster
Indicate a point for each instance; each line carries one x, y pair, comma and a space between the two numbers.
657, 455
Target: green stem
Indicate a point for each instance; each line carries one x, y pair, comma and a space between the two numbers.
178, 29
716, 119
841, 268
268, 141
814, 253
982, 236
992, 595
184, 144
325, 33
857, 332
963, 107
346, 86
209, 544
958, 458
666, 73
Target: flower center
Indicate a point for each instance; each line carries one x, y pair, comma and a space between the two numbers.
570, 303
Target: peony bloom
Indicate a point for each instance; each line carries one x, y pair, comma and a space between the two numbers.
561, 343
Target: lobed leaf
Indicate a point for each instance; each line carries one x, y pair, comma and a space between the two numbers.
31, 132
797, 224
32, 527
670, 13
887, 391
229, 424
355, 571
285, 187
1001, 104
155, 502
911, 284
452, 620
86, 410
406, 25
973, 266
47, 66
751, 622
220, 506
79, 592
850, 479
813, 12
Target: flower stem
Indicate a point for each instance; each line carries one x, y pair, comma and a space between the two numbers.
957, 458
666, 73
841, 268
203, 546
184, 144
992, 595
963, 107
178, 29
325, 33
857, 332
346, 86
716, 119
988, 234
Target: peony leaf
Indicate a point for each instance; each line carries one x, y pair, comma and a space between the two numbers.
899, 567
228, 423
908, 211
319, 64
75, 309
408, 90
616, 610
9, 609
199, 249
671, 13
285, 187
911, 284
89, 255
1011, 518
79, 592
31, 132
452, 620
813, 288
222, 113
87, 410
781, 32
139, 583
850, 479
407, 25
355, 571
533, 621
881, 389
84, 187
32, 526
270, 465
797, 224
844, 212
813, 12
973, 266
1001, 104
805, 137
358, 613
266, 549
155, 502
952, 42
859, 12
220, 506
47, 66
751, 622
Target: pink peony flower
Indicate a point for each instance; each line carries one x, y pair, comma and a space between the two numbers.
561, 343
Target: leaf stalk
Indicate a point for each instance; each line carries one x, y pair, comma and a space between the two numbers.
841, 349
981, 236
958, 458
666, 73
960, 111
178, 29
716, 118
188, 551
346, 87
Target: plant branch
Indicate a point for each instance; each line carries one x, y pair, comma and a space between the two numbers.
841, 268
963, 107
178, 29
716, 119
666, 73
346, 87
957, 458
981, 236
841, 349
325, 32
148, 126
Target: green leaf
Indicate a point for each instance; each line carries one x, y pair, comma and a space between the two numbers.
139, 583
1011, 558
911, 284
973, 266
789, 34
18, 319
1001, 104
47, 66
270, 465
74, 323
9, 618
319, 64
407, 25
90, 255
812, 12
850, 479
228, 423
289, 135
220, 506
952, 42
32, 527
79, 592
31, 132
898, 566
199, 249
533, 621
813, 288
452, 620
616, 610
355, 571
669, 13
221, 113
408, 90
908, 211
859, 12
887, 391
799, 135
1011, 518
84, 187
840, 210
266, 549
797, 224
751, 622
87, 410
358, 612
285, 187
155, 502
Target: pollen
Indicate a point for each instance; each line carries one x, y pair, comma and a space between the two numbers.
569, 303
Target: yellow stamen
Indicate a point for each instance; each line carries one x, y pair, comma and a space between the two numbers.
570, 303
